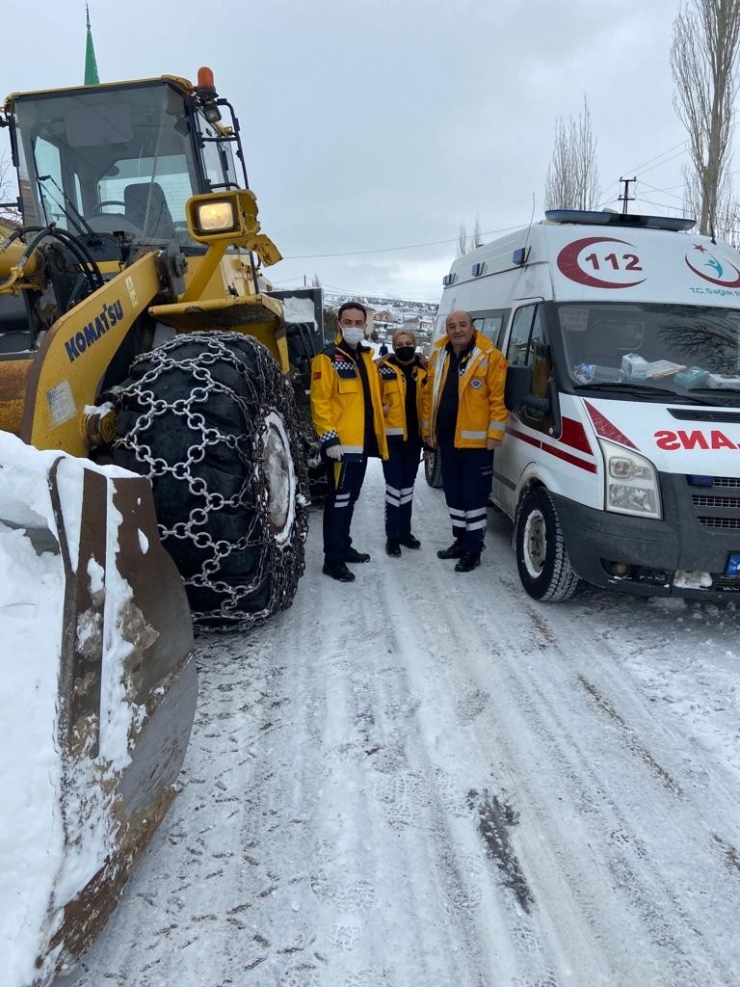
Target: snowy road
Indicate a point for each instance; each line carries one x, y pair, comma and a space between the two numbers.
425, 779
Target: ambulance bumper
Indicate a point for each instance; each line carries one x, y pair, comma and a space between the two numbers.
676, 557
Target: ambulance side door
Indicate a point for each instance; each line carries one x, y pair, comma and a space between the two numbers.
526, 346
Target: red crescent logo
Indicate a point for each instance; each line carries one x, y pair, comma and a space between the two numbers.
724, 284
569, 266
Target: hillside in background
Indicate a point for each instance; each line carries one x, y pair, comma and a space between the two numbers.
388, 314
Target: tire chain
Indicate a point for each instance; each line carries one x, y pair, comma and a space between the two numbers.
263, 387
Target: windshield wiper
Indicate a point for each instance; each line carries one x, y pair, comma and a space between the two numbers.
77, 218
643, 390
718, 390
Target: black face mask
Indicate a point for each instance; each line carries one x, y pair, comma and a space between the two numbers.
405, 353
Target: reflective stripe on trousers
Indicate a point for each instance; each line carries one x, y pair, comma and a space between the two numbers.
467, 475
400, 473
344, 482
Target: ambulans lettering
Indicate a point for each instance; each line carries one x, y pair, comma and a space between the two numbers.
110, 316
693, 440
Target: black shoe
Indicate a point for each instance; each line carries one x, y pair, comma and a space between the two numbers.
409, 541
352, 555
455, 551
393, 548
468, 562
338, 571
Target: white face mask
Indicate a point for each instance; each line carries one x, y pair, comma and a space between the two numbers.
353, 336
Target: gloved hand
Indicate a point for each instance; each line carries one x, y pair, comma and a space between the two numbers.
334, 452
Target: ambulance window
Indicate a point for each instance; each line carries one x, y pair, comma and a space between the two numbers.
490, 326
528, 346
516, 353
538, 356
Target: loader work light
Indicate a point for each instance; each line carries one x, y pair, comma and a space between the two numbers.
230, 216
218, 216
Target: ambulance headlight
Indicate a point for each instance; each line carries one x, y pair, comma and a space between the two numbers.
631, 482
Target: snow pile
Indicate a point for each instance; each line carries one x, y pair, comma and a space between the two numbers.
57, 828
31, 602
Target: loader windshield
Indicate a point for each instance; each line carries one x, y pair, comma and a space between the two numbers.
113, 160
643, 350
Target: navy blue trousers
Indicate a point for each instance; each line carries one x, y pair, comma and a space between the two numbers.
400, 471
344, 482
466, 480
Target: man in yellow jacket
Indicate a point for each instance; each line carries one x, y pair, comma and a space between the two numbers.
463, 418
347, 413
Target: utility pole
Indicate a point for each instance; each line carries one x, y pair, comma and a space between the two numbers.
624, 199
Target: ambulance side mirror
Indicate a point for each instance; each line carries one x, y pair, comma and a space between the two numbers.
518, 386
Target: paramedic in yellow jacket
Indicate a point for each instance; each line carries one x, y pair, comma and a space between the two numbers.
347, 414
401, 373
463, 418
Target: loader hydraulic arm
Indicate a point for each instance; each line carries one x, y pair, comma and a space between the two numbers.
76, 352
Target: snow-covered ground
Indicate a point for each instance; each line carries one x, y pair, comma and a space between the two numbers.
426, 779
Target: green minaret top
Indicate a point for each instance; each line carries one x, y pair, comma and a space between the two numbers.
91, 66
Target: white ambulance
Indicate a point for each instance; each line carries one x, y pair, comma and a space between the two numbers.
621, 460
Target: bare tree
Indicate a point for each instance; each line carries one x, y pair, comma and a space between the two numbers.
704, 60
315, 281
572, 176
465, 242
462, 240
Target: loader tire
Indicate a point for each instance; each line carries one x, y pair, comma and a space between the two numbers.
433, 469
212, 421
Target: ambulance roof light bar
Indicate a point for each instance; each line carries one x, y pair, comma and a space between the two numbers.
586, 217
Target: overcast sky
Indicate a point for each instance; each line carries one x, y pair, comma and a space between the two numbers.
373, 127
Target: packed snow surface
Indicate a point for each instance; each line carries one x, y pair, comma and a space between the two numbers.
426, 779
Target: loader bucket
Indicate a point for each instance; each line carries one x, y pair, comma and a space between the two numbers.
98, 690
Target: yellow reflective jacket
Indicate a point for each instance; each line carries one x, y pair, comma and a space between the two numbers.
338, 401
393, 388
481, 412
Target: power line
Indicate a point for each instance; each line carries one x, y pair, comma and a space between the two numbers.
652, 202
386, 250
644, 169
681, 144
665, 191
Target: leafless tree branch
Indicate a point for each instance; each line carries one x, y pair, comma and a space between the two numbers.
704, 61
572, 180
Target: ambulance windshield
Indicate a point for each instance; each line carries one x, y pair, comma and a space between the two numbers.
677, 348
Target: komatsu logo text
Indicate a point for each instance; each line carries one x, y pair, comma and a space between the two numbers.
109, 316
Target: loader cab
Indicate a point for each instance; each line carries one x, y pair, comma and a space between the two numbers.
117, 163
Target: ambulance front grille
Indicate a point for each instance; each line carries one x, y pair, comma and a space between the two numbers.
702, 500
716, 501
726, 523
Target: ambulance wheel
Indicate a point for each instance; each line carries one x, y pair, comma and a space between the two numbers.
541, 555
212, 421
433, 469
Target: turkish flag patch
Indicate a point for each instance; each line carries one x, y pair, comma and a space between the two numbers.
317, 375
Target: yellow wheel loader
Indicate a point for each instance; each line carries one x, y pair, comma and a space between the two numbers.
137, 336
